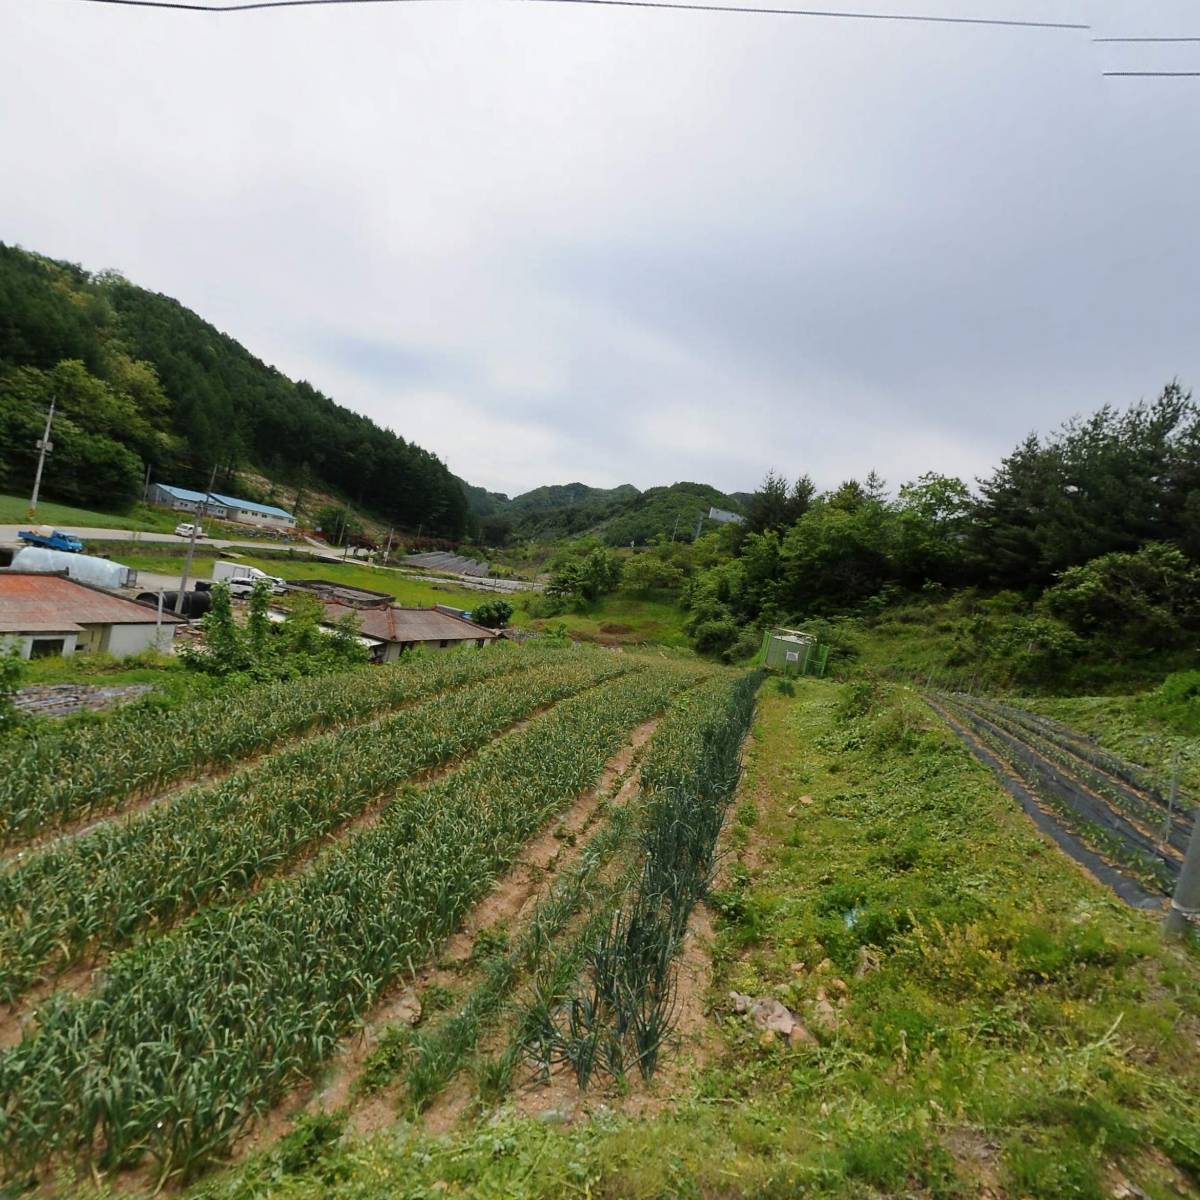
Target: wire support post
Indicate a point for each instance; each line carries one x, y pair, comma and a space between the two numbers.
1184, 913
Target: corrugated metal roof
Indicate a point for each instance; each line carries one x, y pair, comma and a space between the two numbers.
40, 602
224, 501
183, 493
250, 506
396, 624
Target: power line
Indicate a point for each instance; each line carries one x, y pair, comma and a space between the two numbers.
994, 22
1146, 39
1152, 74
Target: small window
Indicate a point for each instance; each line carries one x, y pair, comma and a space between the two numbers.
793, 656
445, 643
46, 647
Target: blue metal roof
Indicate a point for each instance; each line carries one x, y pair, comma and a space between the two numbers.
225, 501
251, 506
183, 493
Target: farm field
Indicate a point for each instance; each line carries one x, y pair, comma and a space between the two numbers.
221, 938
513, 923
976, 1016
1123, 725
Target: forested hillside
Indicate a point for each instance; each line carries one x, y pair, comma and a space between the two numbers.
140, 380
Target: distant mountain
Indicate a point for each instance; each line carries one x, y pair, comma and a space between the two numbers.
668, 511
619, 515
569, 495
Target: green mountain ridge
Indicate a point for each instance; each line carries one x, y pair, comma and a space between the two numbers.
620, 516
140, 381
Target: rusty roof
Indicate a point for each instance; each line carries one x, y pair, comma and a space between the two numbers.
39, 602
396, 624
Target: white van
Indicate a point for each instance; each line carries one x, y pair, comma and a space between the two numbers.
241, 579
183, 529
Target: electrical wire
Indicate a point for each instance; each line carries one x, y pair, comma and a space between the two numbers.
1152, 74
189, 6
1127, 40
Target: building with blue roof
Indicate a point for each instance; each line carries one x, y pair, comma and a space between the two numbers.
222, 508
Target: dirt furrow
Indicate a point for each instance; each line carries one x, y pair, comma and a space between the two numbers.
513, 895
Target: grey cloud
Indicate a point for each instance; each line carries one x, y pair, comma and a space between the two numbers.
635, 246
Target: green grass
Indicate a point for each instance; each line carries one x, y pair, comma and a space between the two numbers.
410, 592
1017, 1030
170, 678
618, 619
14, 510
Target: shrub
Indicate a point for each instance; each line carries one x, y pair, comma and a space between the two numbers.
715, 636
495, 614
1152, 596
1176, 702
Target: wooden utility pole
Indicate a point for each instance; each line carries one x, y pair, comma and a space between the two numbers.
191, 550
44, 445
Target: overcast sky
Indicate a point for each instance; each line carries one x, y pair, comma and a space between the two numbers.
558, 242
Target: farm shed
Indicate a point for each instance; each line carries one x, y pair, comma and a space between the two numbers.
793, 652
44, 615
398, 629
222, 508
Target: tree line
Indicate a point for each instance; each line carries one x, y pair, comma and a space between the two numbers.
1092, 530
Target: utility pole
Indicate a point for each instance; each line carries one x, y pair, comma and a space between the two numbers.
44, 445
146, 485
387, 550
1184, 912
191, 550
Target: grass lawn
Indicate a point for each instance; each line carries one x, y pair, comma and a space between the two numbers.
984, 1019
14, 510
170, 678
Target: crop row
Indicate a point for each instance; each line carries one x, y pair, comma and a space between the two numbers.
1091, 816
1144, 815
54, 775
623, 1006
192, 1034
435, 1055
1123, 782
100, 889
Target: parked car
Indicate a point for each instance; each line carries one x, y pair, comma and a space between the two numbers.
50, 538
185, 529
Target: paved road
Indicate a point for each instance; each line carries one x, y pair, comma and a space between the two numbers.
8, 533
